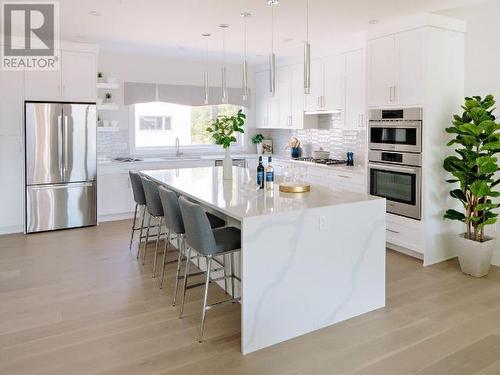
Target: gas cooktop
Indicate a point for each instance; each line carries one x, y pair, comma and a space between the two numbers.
322, 161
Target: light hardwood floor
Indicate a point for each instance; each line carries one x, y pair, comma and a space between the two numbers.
78, 302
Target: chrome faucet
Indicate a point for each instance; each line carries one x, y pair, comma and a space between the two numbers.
177, 146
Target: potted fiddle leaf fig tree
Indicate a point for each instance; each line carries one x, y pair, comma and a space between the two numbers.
475, 174
223, 131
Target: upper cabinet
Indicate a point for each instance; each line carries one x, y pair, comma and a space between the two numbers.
74, 81
337, 84
395, 66
354, 114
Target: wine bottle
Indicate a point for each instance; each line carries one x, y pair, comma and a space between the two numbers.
260, 174
269, 175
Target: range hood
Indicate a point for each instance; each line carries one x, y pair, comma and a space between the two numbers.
335, 112
323, 119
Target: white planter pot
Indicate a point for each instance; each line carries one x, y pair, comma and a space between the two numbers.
227, 166
259, 148
474, 257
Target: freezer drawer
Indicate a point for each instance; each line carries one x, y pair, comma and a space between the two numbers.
50, 207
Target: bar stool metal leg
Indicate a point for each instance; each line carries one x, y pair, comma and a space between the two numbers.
181, 246
184, 283
141, 231
224, 266
165, 250
133, 227
157, 243
231, 270
146, 242
205, 297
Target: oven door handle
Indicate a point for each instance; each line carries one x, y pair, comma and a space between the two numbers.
386, 167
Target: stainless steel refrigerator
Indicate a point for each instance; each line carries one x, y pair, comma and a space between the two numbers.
61, 165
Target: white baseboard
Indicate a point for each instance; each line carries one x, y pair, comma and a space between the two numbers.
400, 249
496, 258
115, 217
12, 229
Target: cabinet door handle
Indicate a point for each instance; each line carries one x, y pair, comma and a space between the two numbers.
319, 101
343, 176
392, 231
390, 94
395, 93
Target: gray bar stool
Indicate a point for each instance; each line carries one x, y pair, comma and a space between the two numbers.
208, 243
155, 210
140, 205
175, 224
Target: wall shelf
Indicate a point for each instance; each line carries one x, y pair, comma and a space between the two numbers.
107, 129
107, 107
107, 86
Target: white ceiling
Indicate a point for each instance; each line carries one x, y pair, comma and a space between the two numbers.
175, 27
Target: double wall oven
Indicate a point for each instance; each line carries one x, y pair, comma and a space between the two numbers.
395, 159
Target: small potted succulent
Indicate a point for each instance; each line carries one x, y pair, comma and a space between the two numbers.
100, 77
257, 140
223, 131
108, 97
475, 170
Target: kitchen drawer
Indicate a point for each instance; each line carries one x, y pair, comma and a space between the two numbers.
404, 232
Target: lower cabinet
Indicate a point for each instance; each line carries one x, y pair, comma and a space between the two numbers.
114, 195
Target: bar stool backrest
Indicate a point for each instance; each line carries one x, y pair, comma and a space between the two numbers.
171, 210
153, 201
137, 188
199, 233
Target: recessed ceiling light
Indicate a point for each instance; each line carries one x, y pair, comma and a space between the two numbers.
94, 13
273, 2
373, 22
287, 40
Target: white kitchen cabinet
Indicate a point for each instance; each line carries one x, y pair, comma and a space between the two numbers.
79, 74
262, 99
354, 112
43, 85
74, 81
314, 100
396, 69
11, 103
114, 194
285, 87
297, 104
382, 70
334, 83
409, 88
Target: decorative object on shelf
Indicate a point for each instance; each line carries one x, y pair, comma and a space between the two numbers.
294, 147
223, 130
257, 140
206, 87
108, 97
477, 138
272, 56
267, 147
307, 55
100, 77
245, 15
99, 121
224, 98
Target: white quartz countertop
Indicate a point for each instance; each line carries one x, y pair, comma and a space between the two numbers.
239, 197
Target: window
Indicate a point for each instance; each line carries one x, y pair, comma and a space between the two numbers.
157, 125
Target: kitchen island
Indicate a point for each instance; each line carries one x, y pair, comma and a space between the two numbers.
307, 260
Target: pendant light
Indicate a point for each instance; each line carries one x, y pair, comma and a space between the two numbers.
206, 36
245, 15
307, 55
224, 98
272, 56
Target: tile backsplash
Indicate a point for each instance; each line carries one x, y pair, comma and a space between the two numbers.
337, 140
112, 144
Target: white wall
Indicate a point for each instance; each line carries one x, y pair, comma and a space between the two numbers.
131, 67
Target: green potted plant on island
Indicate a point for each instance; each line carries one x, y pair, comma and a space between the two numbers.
223, 131
477, 141
257, 140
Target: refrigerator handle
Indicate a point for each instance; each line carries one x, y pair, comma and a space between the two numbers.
60, 145
65, 130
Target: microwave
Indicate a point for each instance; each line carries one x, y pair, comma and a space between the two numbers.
396, 130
